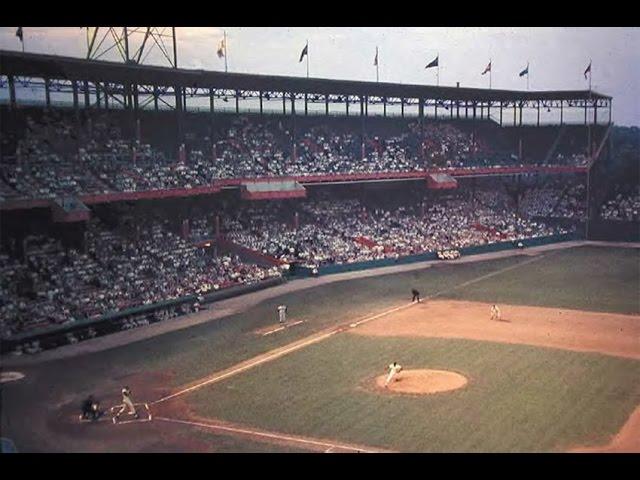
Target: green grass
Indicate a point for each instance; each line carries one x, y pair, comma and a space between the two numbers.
604, 279
519, 399
584, 278
574, 278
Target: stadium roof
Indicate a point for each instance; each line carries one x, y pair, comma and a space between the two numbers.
68, 68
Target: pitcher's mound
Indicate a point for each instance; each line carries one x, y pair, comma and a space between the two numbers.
422, 382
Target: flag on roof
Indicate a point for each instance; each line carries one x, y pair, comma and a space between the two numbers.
525, 71
488, 69
434, 63
305, 51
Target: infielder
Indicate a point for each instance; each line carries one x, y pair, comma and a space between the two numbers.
495, 313
282, 314
126, 402
394, 369
416, 295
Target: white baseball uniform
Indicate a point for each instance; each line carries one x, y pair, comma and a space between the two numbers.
394, 369
495, 313
282, 313
126, 402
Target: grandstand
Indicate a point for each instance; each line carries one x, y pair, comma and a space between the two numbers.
144, 179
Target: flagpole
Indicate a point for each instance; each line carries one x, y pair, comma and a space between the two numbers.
490, 72
307, 58
590, 73
527, 76
438, 71
226, 53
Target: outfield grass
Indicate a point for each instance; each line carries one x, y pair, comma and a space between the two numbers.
583, 278
519, 398
573, 278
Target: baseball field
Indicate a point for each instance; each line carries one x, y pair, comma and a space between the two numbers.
560, 371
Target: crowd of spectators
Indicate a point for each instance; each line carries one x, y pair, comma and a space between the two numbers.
338, 231
54, 156
55, 285
624, 206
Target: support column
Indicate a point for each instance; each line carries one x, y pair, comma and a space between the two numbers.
155, 98
47, 93
384, 107
610, 108
74, 85
87, 100
12, 92
211, 102
260, 97
306, 107
366, 105
561, 111
520, 113
515, 114
585, 112
284, 103
402, 107
595, 113
361, 106
538, 113
421, 108
98, 100
135, 98
293, 103
326, 104
237, 101
458, 109
347, 105
500, 112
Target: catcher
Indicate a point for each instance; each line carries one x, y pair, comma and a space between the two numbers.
394, 369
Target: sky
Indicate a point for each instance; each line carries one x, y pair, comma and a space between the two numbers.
557, 56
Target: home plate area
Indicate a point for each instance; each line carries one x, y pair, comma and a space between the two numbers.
143, 413
143, 410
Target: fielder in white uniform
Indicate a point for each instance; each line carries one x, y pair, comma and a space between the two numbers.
282, 314
127, 402
394, 369
495, 313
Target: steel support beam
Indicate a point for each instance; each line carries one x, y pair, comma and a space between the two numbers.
47, 92
74, 85
87, 100
12, 91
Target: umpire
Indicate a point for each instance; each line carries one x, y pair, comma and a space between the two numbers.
416, 295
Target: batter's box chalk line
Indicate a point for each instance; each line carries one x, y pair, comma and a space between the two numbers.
133, 420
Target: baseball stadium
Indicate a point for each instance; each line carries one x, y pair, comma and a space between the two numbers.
211, 262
